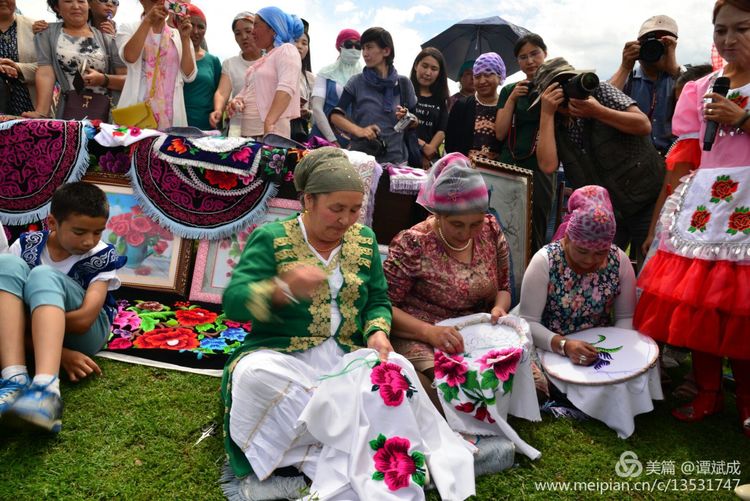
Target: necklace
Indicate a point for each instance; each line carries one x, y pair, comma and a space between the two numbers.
476, 96
457, 249
321, 251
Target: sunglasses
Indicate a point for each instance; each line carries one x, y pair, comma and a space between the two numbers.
113, 3
351, 44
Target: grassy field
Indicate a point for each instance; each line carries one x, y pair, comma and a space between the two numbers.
130, 434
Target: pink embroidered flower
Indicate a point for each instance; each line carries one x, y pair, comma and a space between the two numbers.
453, 369
242, 155
390, 382
127, 318
503, 362
135, 131
483, 415
394, 462
465, 407
119, 344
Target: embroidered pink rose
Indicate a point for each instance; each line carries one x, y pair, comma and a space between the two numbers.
503, 362
394, 465
119, 344
242, 155
126, 318
387, 379
453, 368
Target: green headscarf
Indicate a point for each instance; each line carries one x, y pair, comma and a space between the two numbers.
326, 170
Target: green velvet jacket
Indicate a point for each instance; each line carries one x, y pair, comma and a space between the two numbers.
275, 248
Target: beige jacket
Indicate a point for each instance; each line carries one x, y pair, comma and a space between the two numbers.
27, 53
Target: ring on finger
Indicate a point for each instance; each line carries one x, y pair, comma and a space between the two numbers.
448, 345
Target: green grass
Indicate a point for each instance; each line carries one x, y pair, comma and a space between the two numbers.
130, 435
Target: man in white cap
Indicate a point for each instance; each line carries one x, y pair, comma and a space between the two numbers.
651, 83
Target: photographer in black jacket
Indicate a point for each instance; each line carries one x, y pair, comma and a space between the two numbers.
600, 137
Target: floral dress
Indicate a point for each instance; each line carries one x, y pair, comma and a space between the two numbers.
576, 302
72, 52
429, 284
20, 99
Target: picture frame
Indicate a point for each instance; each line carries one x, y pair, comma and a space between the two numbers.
216, 259
157, 259
511, 197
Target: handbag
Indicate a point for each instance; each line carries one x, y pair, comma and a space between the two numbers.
86, 105
141, 114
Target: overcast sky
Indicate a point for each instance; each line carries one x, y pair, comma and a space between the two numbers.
589, 34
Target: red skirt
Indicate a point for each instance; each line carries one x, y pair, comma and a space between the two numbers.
699, 304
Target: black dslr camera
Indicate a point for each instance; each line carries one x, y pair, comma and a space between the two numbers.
578, 86
652, 49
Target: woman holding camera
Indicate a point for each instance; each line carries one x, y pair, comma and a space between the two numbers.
517, 126
696, 288
160, 61
379, 97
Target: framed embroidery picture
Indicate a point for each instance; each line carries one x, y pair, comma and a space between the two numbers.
217, 258
510, 189
157, 259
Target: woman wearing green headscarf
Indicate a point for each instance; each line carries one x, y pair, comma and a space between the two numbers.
314, 289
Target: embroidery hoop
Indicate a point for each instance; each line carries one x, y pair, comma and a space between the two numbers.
517, 324
640, 353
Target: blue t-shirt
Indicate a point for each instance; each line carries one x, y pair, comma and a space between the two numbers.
367, 108
653, 99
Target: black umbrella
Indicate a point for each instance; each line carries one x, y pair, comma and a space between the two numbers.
467, 39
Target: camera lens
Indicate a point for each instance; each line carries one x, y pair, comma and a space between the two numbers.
651, 50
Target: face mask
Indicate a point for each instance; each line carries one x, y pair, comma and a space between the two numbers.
350, 56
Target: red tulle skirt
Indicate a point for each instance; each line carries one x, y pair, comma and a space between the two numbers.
696, 303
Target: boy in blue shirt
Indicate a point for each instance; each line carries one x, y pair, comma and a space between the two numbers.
59, 282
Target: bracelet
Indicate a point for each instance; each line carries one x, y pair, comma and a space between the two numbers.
562, 347
106, 81
284, 287
739, 123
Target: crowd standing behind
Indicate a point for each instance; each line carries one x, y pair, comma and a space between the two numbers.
608, 139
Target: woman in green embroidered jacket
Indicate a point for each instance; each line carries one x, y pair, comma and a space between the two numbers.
314, 288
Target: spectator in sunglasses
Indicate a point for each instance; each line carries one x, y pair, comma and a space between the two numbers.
330, 82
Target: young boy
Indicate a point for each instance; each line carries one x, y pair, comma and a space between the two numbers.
62, 277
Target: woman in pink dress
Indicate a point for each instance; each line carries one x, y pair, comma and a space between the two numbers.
696, 289
454, 263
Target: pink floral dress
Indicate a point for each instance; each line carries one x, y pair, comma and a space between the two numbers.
431, 285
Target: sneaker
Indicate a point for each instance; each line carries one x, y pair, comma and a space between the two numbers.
39, 407
10, 390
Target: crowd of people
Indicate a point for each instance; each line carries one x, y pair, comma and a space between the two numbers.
657, 158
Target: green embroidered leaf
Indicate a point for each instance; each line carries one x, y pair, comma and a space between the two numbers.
489, 380
148, 323
472, 381
508, 385
449, 392
418, 458
610, 350
418, 478
375, 387
204, 327
490, 401
691, 229
378, 443
172, 322
732, 232
378, 475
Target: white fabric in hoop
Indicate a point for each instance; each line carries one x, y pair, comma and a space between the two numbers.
624, 354
473, 400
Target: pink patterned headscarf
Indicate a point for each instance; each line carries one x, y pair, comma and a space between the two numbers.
590, 222
453, 186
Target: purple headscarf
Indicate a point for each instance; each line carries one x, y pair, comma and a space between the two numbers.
590, 222
490, 62
453, 186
